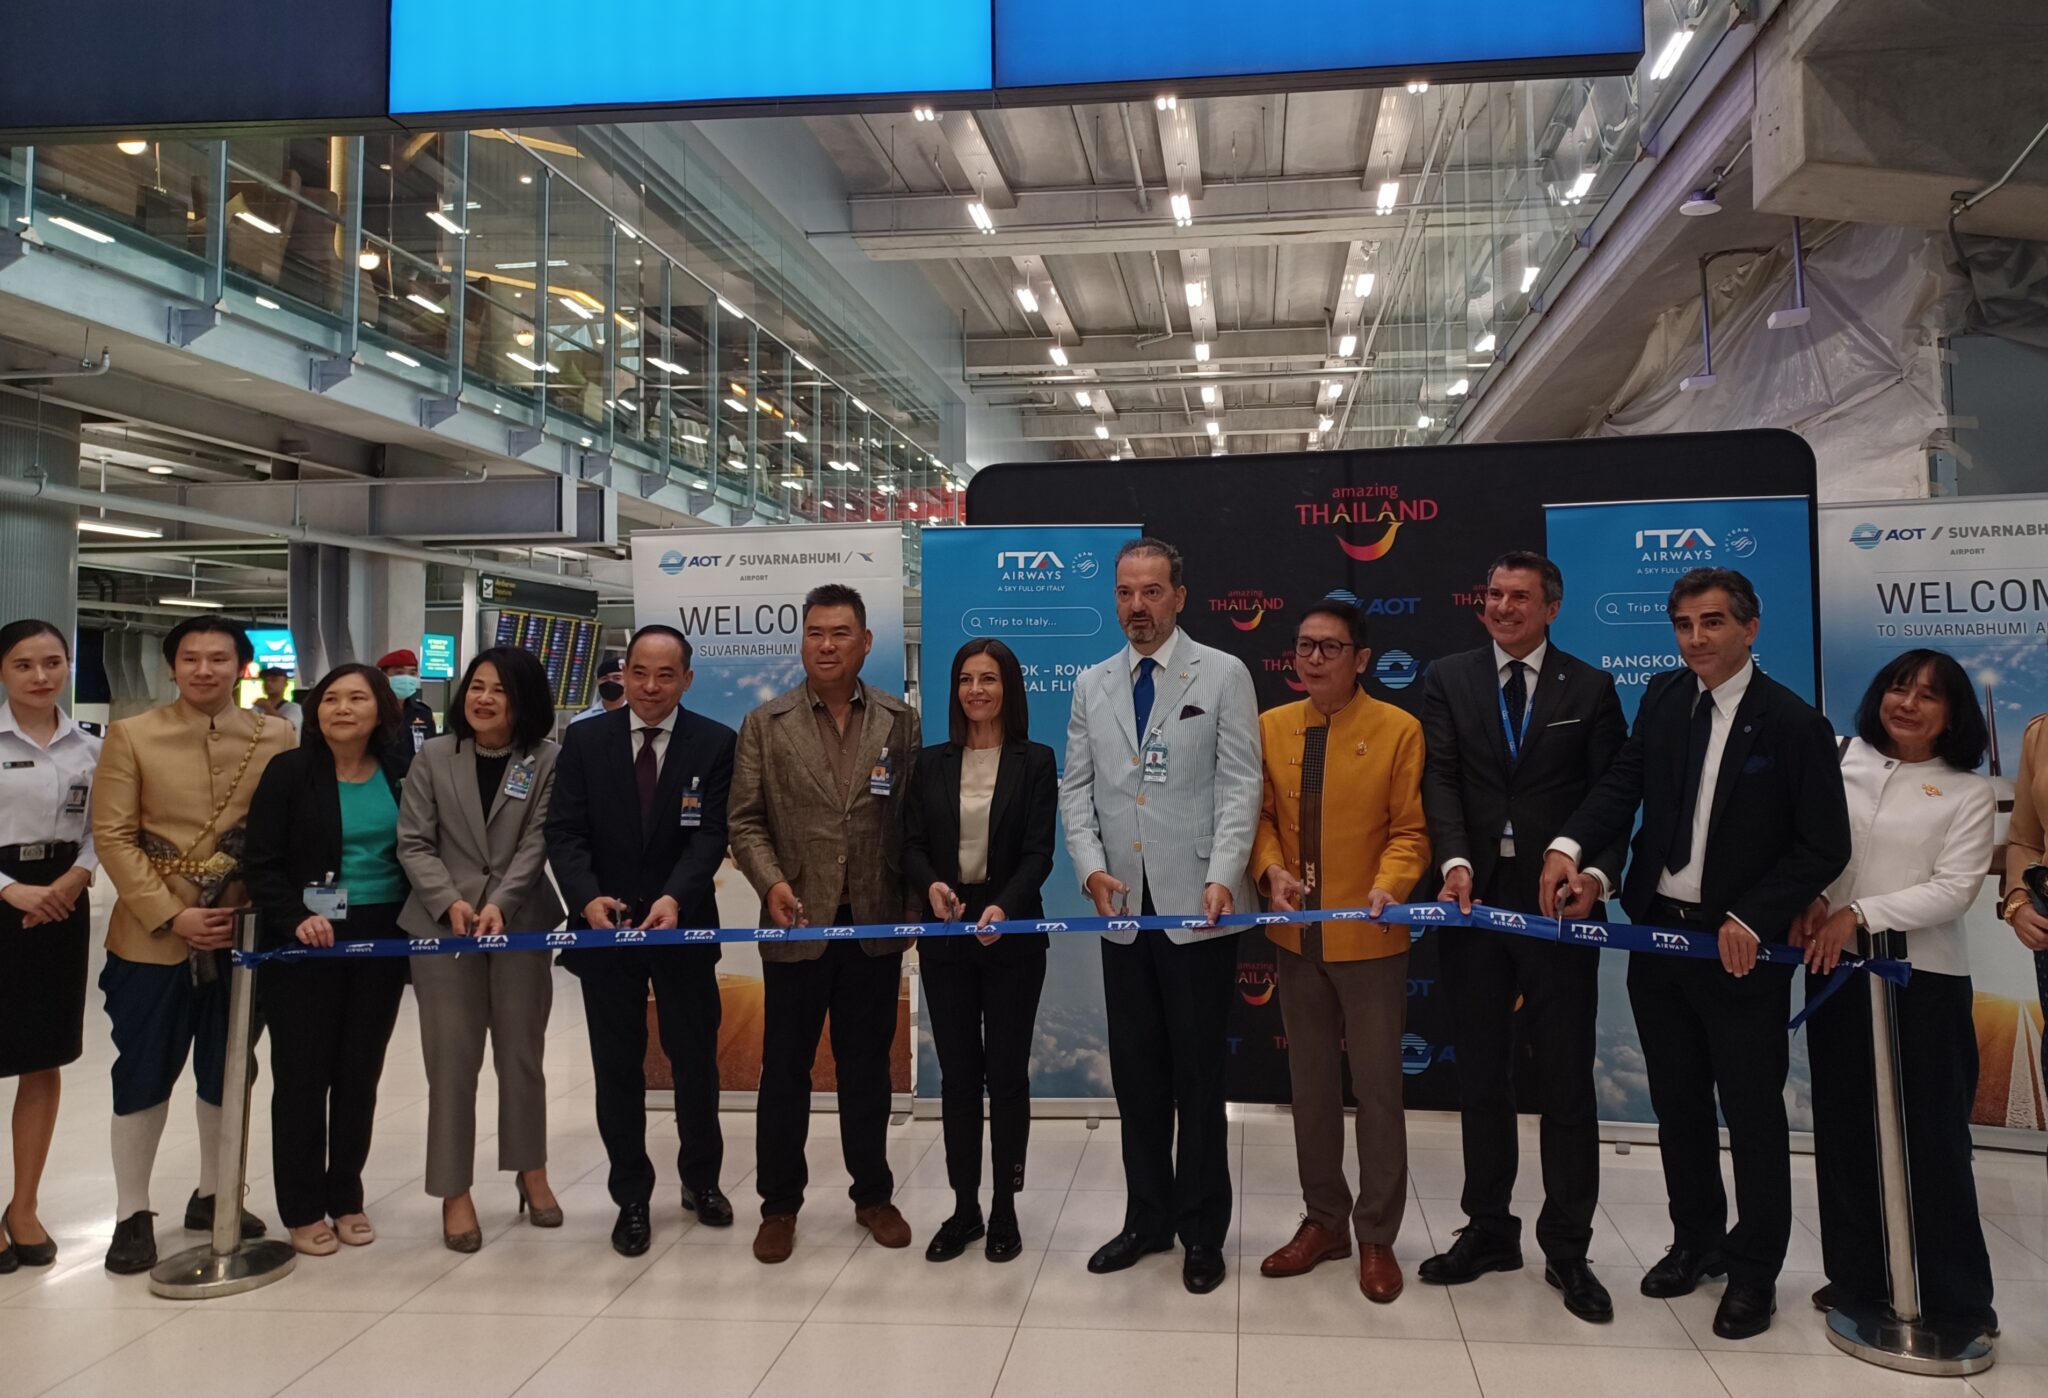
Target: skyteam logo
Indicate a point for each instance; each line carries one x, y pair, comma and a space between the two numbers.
1086, 566
1430, 912
1416, 1054
561, 939
494, 941
627, 936
1670, 941
1866, 536
1742, 543
1396, 669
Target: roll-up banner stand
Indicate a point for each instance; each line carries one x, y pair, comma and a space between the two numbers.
1409, 535
738, 594
1969, 577
1049, 593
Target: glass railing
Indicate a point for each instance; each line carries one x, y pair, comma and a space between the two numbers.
472, 266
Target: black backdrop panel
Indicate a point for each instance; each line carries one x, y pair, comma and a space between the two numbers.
1409, 532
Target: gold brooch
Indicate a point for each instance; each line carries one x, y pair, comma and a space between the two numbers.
1361, 749
1931, 789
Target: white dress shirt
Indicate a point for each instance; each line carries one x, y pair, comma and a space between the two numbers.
1163, 658
1501, 661
37, 785
663, 731
1920, 843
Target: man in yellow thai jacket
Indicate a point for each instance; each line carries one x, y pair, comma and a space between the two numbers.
1342, 827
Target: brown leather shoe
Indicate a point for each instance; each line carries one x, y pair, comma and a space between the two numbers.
1312, 1243
777, 1238
1379, 1275
886, 1226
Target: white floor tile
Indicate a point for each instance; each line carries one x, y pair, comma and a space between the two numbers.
376, 1279
1755, 1374
219, 1354
43, 1348
1093, 1216
1266, 1221
1797, 1328
1269, 1366
903, 1361
1569, 1371
1126, 1363
473, 1355
1328, 1302
881, 1286
722, 1283
2003, 1380
1149, 1296
663, 1359
531, 1276
1520, 1307
1038, 1214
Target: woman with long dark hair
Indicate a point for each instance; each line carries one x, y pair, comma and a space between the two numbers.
1921, 823
323, 865
46, 864
978, 846
472, 837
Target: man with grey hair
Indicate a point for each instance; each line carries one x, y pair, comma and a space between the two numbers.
1160, 802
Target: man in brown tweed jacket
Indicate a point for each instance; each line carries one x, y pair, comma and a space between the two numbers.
820, 783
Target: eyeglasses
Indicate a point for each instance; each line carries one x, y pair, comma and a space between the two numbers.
1330, 650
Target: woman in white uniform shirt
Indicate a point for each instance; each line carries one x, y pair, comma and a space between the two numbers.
46, 862
1921, 821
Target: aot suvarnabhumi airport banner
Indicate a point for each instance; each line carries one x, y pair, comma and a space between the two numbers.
1049, 593
1969, 577
738, 594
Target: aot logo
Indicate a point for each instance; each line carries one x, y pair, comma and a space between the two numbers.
1866, 536
1416, 1054
673, 562
1396, 669
1393, 606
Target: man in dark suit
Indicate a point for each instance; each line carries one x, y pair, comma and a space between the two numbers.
1743, 825
636, 832
1517, 732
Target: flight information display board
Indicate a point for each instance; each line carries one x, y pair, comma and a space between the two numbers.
567, 647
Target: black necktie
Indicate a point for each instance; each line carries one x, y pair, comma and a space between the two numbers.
645, 773
1516, 693
1698, 733
1141, 695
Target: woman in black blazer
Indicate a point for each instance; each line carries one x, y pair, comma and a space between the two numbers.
323, 863
978, 841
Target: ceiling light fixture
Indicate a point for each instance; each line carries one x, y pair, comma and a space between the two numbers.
91, 234
666, 366
424, 304
523, 362
1202, 352
1484, 344
1194, 293
1213, 427
1166, 102
1458, 389
160, 470
1183, 211
1667, 60
979, 213
1699, 204
1325, 423
369, 259
94, 525
736, 405
1580, 187
924, 114
1101, 431
1347, 346
730, 309
261, 225
407, 360
195, 603
1059, 356
1529, 275
1084, 400
1209, 394
1028, 299
1363, 286
132, 147
1389, 196
576, 306
1424, 421
693, 439
796, 436
446, 224
1418, 87
267, 304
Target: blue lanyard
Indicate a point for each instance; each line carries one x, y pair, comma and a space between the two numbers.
1515, 739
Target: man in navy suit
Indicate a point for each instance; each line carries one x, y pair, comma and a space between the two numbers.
636, 833
1743, 824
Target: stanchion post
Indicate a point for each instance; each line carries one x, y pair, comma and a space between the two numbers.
1895, 1334
228, 1263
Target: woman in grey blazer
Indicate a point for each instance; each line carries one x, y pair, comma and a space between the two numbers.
471, 838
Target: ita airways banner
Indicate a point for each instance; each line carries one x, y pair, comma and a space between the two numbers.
1049, 593
1969, 577
738, 594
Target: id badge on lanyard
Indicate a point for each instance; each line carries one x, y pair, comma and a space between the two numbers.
519, 780
1154, 769
326, 899
693, 805
882, 776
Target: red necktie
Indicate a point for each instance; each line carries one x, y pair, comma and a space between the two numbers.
645, 772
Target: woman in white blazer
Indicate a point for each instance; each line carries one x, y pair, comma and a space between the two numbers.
471, 836
1921, 822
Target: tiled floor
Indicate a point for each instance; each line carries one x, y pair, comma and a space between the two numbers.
560, 1314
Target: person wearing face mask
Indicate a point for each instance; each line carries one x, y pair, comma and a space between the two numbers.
611, 688
46, 864
402, 669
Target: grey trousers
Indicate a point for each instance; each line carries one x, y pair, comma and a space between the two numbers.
507, 995
1327, 1006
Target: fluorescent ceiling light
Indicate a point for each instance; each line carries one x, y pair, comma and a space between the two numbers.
730, 309
1209, 393
1059, 356
1215, 428
160, 471
1193, 291
82, 231
1417, 88
261, 225
693, 438
577, 306
523, 362
1324, 424
425, 304
1333, 387
1083, 399
407, 360
1580, 187
132, 147
796, 436
1667, 61
858, 405
1484, 344
449, 224
805, 364
1424, 421
924, 114
1347, 346
1101, 431
1529, 275
980, 216
89, 524
666, 366
1202, 353
1165, 103
1389, 196
529, 265
1458, 389
828, 504
792, 485
1363, 286
195, 603
1028, 299
1183, 211
267, 304
736, 405
885, 489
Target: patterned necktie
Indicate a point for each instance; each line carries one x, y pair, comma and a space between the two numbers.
645, 772
1141, 695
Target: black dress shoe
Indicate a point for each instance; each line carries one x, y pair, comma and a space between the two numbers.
1005, 1243
1201, 1272
1826, 1299
1745, 1310
1680, 1270
199, 1217
1123, 1251
1472, 1256
134, 1247
713, 1209
953, 1237
1583, 1295
8, 1261
634, 1231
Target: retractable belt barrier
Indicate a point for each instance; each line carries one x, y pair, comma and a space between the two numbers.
1418, 917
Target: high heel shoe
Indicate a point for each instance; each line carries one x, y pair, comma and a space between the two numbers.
540, 1218
469, 1240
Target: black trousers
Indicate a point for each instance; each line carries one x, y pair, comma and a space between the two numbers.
330, 1022
1559, 987
983, 1003
1704, 1034
860, 994
1938, 1067
1169, 1007
685, 982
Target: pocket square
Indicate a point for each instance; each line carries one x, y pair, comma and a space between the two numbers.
1563, 723
1756, 764
1191, 711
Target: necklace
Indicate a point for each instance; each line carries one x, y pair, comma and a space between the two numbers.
482, 751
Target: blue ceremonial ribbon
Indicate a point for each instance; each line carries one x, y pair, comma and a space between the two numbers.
1419, 918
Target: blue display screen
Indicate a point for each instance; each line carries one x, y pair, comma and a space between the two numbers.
1047, 43
474, 55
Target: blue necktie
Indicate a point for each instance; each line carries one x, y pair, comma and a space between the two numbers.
1141, 695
